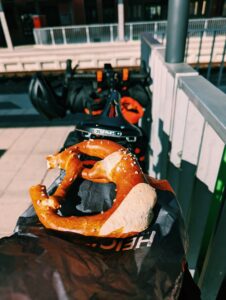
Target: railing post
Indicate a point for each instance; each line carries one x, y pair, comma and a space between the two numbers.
41, 41
52, 37
111, 33
199, 50
221, 66
131, 32
211, 56
205, 27
87, 35
155, 30
176, 30
64, 36
35, 36
5, 28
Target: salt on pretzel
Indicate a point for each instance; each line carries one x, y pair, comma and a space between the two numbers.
131, 211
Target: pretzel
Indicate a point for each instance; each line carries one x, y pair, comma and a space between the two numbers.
135, 197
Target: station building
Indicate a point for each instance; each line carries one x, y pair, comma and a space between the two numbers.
20, 14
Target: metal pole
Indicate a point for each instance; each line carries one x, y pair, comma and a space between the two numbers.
52, 37
222, 66
111, 33
87, 35
211, 56
131, 32
200, 48
5, 28
178, 11
121, 20
64, 36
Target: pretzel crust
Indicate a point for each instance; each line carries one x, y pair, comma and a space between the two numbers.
117, 166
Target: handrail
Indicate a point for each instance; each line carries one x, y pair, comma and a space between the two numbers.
78, 26
202, 93
109, 32
191, 21
188, 148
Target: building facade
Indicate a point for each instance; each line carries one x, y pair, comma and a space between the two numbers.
20, 14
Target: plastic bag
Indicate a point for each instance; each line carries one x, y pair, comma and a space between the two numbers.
36, 263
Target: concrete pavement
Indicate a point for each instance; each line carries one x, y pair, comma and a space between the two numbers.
25, 140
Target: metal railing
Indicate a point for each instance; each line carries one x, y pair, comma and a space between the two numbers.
209, 48
188, 147
75, 34
206, 40
109, 32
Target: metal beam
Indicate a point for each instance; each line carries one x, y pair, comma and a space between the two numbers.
5, 28
121, 21
178, 11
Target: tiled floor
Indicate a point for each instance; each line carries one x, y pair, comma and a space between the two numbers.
23, 149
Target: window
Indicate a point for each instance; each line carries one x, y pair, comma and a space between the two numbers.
224, 9
91, 12
152, 12
109, 11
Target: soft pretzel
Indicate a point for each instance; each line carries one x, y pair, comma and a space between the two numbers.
135, 197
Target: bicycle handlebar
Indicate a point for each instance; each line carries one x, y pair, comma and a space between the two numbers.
69, 72
92, 76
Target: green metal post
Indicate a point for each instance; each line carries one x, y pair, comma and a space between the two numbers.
214, 240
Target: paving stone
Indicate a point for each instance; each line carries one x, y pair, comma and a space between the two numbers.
28, 139
24, 165
25, 144
5, 178
11, 162
52, 139
8, 136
